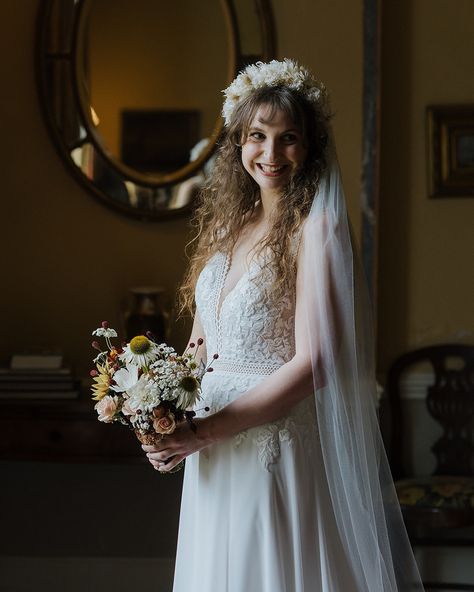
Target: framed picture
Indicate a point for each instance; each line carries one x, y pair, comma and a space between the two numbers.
158, 140
450, 131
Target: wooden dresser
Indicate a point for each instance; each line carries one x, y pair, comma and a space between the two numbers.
64, 431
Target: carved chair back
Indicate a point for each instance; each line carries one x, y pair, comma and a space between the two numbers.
450, 401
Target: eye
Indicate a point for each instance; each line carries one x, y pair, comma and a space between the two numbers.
257, 136
290, 138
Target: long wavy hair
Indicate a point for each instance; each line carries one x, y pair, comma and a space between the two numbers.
231, 196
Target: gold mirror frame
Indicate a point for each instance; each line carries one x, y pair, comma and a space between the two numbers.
61, 30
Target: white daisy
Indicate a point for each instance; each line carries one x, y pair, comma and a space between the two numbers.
187, 392
140, 352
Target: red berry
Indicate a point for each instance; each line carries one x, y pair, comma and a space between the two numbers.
215, 356
105, 325
200, 341
93, 373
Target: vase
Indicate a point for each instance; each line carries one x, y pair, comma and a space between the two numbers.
146, 314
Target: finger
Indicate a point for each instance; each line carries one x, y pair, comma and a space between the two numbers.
160, 463
173, 462
159, 445
162, 455
157, 463
148, 448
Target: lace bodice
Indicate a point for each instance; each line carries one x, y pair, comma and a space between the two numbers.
253, 337
245, 327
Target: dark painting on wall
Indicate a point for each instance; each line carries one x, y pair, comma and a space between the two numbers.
157, 140
450, 142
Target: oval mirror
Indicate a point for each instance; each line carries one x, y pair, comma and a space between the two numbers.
131, 91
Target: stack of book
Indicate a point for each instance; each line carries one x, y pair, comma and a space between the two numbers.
38, 377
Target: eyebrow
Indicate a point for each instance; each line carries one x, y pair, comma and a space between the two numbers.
259, 129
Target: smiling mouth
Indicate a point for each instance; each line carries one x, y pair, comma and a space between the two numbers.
270, 169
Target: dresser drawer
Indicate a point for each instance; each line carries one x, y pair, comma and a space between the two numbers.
67, 439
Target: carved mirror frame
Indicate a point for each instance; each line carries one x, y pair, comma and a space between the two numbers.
60, 39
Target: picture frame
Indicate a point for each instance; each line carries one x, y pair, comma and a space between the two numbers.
158, 140
450, 141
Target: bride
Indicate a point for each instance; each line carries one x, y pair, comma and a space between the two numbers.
286, 487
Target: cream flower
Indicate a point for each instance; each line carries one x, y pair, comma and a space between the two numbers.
140, 351
104, 332
107, 408
275, 73
125, 379
142, 398
126, 409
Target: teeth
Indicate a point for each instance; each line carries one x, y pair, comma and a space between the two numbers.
271, 168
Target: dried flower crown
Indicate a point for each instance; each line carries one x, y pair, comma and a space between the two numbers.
275, 73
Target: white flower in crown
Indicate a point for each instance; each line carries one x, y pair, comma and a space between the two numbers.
275, 73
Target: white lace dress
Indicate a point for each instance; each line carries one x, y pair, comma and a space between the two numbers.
252, 518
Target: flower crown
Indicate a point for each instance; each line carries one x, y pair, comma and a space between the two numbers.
275, 73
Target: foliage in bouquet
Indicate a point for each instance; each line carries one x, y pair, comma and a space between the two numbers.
145, 385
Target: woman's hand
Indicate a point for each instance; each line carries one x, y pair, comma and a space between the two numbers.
173, 448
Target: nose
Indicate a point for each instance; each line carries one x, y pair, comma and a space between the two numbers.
270, 149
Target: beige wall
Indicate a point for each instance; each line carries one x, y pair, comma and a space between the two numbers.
327, 37
69, 260
426, 280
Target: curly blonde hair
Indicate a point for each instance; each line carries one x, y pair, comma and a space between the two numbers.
231, 196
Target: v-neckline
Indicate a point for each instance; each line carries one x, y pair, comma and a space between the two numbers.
221, 300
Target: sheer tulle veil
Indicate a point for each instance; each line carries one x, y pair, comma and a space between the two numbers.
341, 341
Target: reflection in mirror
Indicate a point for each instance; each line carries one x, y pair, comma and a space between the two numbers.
131, 91
106, 179
152, 107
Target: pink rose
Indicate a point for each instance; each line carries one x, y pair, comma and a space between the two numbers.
126, 409
165, 425
106, 408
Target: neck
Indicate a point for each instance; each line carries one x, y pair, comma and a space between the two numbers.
268, 200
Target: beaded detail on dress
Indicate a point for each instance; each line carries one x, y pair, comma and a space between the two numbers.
253, 338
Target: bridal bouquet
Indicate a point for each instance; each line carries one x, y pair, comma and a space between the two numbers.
145, 385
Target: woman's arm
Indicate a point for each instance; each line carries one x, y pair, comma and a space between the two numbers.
268, 401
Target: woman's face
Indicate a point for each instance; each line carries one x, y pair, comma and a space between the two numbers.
272, 150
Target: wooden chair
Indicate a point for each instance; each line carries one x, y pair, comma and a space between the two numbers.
439, 509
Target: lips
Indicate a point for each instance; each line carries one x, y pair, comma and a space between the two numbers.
271, 170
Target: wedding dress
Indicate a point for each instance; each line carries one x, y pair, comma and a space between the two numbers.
253, 516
